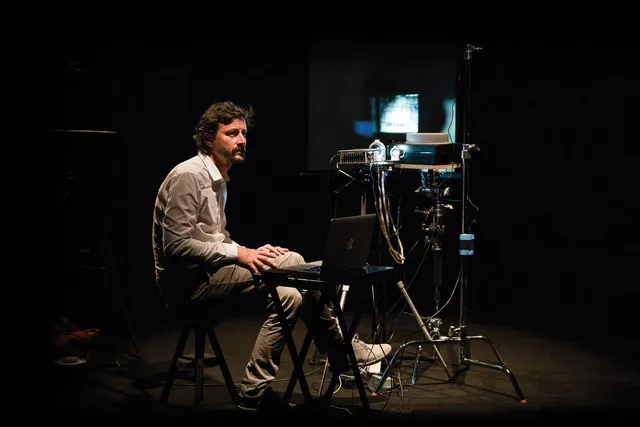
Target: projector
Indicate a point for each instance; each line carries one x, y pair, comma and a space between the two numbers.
425, 149
427, 138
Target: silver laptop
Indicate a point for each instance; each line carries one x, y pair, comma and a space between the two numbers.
346, 249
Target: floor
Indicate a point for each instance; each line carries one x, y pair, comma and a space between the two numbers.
557, 378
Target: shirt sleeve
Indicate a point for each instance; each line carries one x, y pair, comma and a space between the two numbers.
181, 215
229, 240
227, 235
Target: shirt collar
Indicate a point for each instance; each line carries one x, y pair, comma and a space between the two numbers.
213, 169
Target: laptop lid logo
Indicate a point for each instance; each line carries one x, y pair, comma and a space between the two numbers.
350, 243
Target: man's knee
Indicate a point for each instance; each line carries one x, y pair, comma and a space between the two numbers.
290, 298
289, 259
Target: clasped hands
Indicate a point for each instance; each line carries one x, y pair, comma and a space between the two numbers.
260, 259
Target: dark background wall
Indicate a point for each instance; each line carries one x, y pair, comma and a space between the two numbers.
555, 181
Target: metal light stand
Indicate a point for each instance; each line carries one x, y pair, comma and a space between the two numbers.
432, 230
459, 334
467, 249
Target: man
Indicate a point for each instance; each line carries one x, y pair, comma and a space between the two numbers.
196, 261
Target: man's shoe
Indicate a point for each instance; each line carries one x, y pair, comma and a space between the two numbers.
270, 401
366, 354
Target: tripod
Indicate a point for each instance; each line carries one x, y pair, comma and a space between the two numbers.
432, 336
432, 229
86, 221
459, 335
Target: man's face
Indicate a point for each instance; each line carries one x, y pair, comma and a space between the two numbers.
230, 144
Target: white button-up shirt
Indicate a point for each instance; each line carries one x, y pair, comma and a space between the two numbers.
189, 222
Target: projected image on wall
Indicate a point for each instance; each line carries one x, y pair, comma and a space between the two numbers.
399, 113
355, 97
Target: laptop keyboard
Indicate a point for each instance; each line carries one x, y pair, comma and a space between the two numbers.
315, 268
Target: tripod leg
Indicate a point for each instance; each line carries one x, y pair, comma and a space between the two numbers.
129, 325
415, 365
424, 329
111, 281
114, 278
491, 345
397, 355
500, 366
324, 376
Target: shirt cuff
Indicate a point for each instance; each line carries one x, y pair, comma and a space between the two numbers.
232, 250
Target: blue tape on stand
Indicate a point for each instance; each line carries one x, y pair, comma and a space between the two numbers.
466, 244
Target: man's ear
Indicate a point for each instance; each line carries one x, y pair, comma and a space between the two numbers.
208, 140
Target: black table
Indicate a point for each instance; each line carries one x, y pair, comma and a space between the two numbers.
373, 275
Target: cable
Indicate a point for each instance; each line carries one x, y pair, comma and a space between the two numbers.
331, 215
455, 100
341, 408
382, 210
390, 390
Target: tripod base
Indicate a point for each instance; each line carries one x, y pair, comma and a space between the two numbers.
465, 362
500, 366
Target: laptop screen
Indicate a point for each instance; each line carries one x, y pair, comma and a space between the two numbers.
348, 244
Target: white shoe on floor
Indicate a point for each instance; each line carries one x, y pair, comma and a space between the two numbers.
368, 354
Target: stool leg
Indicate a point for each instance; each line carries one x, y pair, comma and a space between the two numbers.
224, 368
174, 364
199, 368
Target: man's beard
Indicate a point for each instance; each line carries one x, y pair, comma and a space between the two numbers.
231, 156
234, 158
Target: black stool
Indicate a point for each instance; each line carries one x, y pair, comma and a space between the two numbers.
201, 328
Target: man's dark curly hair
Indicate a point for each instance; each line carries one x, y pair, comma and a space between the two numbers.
216, 114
